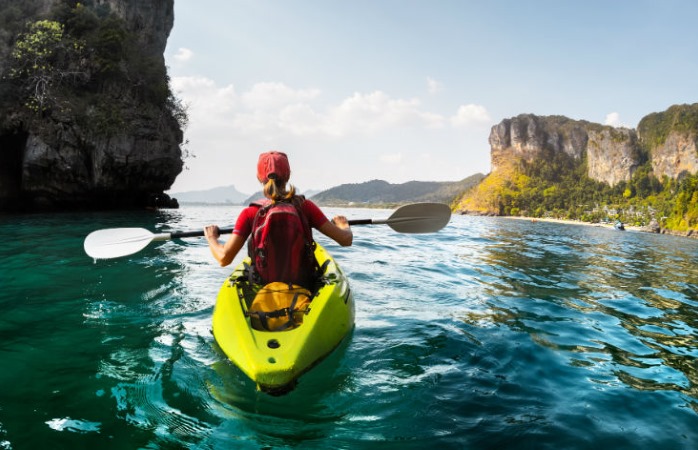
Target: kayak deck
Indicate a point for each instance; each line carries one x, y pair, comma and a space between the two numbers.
275, 359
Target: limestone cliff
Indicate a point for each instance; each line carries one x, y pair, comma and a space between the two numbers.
528, 137
667, 139
108, 136
677, 155
612, 154
670, 137
152, 20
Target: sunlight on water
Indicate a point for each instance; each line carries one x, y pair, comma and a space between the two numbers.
492, 333
68, 424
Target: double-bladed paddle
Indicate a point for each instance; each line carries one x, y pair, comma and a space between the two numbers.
116, 242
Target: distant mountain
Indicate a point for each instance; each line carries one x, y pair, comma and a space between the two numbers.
376, 192
310, 193
380, 192
258, 195
220, 195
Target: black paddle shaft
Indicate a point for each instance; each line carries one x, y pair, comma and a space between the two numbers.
361, 222
200, 233
197, 233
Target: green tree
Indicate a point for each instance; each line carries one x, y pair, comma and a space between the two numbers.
42, 58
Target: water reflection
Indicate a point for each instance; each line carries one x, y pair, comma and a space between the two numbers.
621, 306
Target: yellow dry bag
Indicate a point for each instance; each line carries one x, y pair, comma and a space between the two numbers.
279, 306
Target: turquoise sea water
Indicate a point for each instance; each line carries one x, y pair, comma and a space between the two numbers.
492, 333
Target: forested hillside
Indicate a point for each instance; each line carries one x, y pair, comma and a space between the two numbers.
378, 192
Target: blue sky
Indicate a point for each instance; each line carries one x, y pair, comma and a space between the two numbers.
408, 90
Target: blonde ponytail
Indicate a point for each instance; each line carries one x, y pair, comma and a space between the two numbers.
276, 193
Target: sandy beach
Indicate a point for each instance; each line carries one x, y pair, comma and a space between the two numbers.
572, 222
692, 234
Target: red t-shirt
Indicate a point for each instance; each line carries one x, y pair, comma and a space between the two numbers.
243, 226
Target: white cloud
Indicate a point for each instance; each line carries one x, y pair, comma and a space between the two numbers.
195, 87
393, 158
468, 115
613, 119
301, 120
433, 86
365, 132
275, 96
209, 107
275, 109
369, 113
183, 55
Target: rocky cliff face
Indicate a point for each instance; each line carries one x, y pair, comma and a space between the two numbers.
668, 139
152, 20
62, 158
74, 168
677, 155
527, 136
612, 154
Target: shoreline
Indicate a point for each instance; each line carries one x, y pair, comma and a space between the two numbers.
575, 222
691, 234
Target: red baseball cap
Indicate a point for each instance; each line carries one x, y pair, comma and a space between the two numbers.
273, 163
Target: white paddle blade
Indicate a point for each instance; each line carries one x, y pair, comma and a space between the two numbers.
116, 242
420, 218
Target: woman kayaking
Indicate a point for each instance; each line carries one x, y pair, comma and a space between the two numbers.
280, 226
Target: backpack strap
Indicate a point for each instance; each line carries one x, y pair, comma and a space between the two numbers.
249, 274
298, 201
310, 242
289, 312
263, 206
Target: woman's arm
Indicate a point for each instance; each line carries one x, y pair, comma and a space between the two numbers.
224, 253
339, 230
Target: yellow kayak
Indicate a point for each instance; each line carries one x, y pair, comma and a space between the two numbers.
275, 359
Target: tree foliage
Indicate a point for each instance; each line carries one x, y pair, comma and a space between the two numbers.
85, 62
42, 58
655, 128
